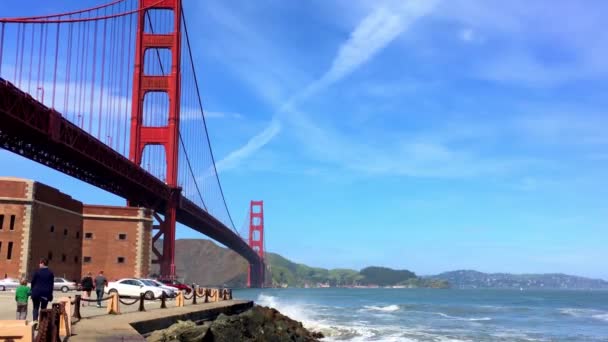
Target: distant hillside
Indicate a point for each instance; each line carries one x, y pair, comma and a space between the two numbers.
467, 279
286, 272
205, 263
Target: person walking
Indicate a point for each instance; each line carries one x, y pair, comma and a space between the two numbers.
87, 287
100, 283
21, 296
42, 287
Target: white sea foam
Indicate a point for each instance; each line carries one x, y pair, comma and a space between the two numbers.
601, 317
516, 335
388, 308
472, 319
359, 330
585, 313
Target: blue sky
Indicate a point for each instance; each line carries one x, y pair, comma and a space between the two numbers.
427, 135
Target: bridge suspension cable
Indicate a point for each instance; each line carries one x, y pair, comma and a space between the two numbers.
79, 63
204, 125
57, 18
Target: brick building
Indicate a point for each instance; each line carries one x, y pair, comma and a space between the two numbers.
124, 231
39, 221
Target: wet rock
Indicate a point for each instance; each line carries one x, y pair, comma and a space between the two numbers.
255, 325
181, 331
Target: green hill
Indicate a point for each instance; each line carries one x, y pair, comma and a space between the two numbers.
286, 272
204, 262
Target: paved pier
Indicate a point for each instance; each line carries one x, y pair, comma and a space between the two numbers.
131, 324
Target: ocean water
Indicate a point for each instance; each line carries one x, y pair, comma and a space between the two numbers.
442, 315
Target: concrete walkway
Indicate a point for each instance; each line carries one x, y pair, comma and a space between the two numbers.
97, 325
131, 326
8, 306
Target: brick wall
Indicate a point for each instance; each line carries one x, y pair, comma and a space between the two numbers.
13, 187
11, 238
112, 241
50, 224
146, 243
14, 221
56, 232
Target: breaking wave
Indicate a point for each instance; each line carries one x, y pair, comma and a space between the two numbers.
585, 313
388, 308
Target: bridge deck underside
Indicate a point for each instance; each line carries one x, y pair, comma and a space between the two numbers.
34, 131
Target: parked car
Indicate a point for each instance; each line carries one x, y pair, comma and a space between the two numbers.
63, 285
130, 287
176, 284
8, 284
170, 292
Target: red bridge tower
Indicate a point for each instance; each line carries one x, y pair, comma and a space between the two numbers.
167, 135
256, 274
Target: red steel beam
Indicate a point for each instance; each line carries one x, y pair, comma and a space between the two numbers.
32, 130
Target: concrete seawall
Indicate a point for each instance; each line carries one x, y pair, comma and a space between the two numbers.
132, 326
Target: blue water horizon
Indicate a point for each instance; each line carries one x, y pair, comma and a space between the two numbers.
346, 314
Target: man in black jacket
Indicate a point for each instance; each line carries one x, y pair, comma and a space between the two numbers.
42, 287
87, 287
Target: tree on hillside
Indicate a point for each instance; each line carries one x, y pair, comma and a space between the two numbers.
384, 276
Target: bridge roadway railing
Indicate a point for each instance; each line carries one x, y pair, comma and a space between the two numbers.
34, 131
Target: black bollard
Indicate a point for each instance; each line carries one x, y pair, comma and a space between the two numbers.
163, 298
194, 294
230, 294
207, 293
76, 314
141, 302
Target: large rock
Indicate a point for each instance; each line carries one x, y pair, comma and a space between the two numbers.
259, 324
181, 331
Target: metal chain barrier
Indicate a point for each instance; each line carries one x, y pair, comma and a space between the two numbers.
213, 294
128, 303
95, 300
189, 297
50, 320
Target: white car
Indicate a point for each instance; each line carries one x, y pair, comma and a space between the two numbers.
8, 284
130, 287
169, 291
64, 285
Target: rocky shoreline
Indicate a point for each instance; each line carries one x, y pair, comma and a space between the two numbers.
256, 324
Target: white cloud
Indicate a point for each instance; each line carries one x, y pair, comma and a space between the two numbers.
518, 32
255, 143
222, 115
370, 36
467, 35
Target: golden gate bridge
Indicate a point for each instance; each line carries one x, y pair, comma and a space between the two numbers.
110, 95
